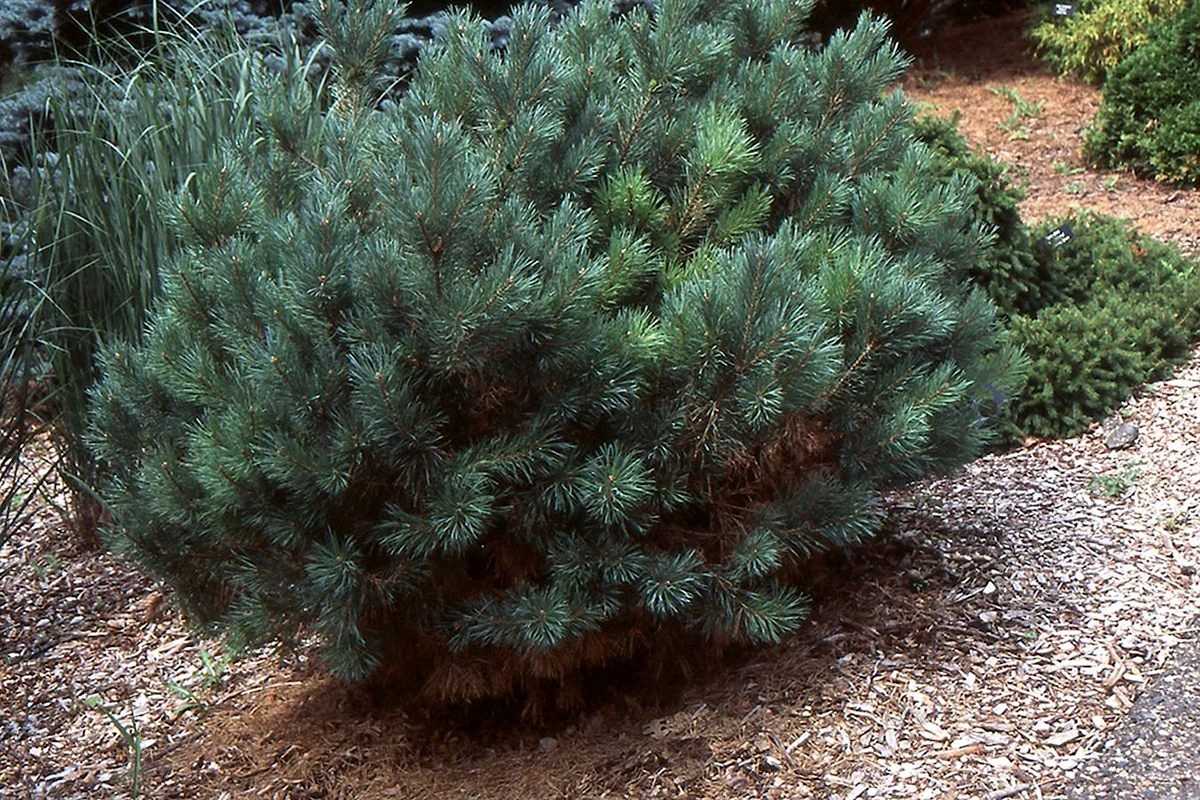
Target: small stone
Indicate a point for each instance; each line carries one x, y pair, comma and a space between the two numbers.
153, 607
547, 744
1120, 435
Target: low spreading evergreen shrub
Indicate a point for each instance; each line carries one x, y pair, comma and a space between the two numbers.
571, 351
1149, 115
1127, 315
1098, 316
1089, 43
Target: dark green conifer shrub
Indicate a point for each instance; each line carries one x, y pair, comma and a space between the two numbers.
1149, 115
1098, 316
1011, 272
573, 349
1127, 314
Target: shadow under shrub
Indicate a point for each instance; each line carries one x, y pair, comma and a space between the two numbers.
574, 351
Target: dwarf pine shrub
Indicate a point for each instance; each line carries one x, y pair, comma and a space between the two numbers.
575, 348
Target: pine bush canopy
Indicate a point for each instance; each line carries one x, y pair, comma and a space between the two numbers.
575, 347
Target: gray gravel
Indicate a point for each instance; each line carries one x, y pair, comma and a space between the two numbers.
1156, 753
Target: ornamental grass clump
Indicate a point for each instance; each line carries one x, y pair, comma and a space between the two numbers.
577, 350
98, 231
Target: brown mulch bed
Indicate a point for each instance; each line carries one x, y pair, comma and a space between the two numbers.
989, 645
975, 69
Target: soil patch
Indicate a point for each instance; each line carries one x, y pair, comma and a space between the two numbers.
1018, 112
